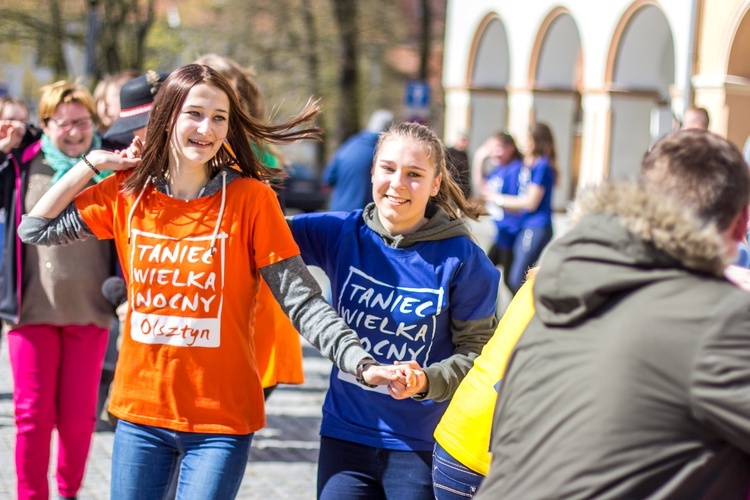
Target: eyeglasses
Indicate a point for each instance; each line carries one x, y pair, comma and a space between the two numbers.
80, 124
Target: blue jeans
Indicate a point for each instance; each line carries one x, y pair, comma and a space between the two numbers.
349, 470
451, 480
205, 466
527, 249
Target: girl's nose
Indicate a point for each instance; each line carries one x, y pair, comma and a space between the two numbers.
397, 181
204, 126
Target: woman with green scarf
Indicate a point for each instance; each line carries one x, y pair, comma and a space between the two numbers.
52, 298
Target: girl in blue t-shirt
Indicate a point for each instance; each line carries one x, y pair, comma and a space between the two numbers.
507, 161
536, 180
407, 276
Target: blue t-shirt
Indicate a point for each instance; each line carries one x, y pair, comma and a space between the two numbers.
504, 180
541, 174
743, 255
400, 301
349, 172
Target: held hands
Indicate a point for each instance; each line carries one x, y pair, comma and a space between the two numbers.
404, 380
383, 374
416, 381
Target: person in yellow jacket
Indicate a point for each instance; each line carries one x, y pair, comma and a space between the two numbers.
461, 457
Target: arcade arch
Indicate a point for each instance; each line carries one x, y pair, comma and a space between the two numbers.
640, 72
555, 75
737, 84
489, 71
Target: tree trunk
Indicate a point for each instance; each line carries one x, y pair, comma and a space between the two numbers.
424, 55
345, 12
142, 28
313, 67
57, 37
123, 29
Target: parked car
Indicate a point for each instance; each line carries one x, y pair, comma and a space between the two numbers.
303, 190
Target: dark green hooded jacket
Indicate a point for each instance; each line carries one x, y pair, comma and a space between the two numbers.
633, 378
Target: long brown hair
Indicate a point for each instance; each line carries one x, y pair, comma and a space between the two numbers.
507, 140
450, 196
251, 97
248, 92
544, 145
167, 105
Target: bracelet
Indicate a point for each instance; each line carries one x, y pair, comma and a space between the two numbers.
361, 367
88, 163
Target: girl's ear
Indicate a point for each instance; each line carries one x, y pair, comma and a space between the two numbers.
436, 184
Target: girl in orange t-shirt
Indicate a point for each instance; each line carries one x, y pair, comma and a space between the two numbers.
278, 351
195, 228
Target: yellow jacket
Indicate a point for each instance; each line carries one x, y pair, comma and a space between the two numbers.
464, 430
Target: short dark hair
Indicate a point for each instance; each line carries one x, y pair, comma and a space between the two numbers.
695, 118
702, 171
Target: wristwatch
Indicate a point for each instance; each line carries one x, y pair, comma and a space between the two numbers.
361, 370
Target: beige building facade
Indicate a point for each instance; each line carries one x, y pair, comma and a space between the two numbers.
609, 77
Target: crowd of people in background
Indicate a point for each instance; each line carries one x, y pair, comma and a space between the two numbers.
614, 371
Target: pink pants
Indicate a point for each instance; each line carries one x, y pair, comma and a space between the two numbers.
56, 372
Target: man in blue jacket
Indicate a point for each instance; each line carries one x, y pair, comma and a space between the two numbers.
349, 171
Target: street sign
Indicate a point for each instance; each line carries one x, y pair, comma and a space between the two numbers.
417, 101
417, 94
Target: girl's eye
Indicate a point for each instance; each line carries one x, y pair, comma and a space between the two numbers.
192, 113
416, 175
220, 118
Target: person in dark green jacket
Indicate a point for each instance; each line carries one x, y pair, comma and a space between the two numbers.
632, 380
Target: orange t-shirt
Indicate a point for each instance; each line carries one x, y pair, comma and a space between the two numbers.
187, 357
278, 350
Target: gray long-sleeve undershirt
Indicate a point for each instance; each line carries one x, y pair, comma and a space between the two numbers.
290, 281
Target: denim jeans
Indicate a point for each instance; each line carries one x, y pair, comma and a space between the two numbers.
451, 480
145, 459
527, 249
348, 471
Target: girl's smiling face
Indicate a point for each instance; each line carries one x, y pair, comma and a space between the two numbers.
404, 178
201, 126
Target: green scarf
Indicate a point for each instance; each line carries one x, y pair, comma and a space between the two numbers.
61, 163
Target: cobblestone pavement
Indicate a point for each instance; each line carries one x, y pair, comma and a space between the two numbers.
282, 461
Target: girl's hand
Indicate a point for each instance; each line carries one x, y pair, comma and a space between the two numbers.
739, 276
107, 160
135, 150
122, 312
381, 374
412, 380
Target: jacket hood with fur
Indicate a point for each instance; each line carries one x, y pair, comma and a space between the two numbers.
624, 239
